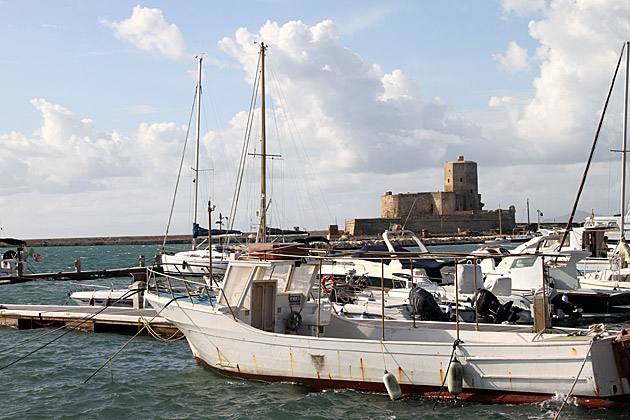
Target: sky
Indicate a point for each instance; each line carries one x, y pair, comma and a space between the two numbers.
363, 97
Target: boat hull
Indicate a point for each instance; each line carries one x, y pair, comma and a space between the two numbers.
499, 366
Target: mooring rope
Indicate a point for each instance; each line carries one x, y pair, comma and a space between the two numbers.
577, 376
176, 336
83, 321
455, 344
131, 339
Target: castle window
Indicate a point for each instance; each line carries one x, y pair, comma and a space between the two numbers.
461, 179
471, 190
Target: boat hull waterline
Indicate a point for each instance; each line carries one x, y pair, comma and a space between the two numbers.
498, 366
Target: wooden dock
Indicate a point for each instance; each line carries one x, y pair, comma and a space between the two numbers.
74, 275
87, 318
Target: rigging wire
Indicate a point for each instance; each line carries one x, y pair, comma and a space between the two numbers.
295, 133
179, 173
248, 128
292, 126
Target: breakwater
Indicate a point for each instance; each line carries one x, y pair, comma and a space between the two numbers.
341, 243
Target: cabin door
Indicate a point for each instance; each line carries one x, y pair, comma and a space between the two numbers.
263, 305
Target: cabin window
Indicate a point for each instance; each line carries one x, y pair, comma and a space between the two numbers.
301, 280
280, 274
234, 288
524, 262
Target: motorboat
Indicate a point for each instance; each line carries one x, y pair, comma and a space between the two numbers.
365, 267
98, 295
13, 262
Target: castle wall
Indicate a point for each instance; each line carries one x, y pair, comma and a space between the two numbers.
473, 221
417, 204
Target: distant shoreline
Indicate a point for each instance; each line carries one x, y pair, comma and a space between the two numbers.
347, 243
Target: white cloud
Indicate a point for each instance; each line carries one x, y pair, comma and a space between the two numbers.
580, 43
514, 60
147, 30
348, 107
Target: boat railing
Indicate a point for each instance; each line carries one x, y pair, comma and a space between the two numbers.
179, 286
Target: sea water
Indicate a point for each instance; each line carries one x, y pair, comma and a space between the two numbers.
151, 379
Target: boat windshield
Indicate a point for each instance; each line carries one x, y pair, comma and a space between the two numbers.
302, 277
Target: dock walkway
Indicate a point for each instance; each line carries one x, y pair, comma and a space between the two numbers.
74, 275
85, 318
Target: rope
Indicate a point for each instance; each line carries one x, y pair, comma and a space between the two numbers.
57, 338
176, 336
455, 344
131, 339
578, 376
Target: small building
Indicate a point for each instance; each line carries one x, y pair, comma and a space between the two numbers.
456, 209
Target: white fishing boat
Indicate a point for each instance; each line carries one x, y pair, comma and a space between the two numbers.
265, 326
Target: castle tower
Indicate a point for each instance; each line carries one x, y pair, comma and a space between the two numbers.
460, 177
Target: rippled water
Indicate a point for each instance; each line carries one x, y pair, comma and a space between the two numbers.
150, 379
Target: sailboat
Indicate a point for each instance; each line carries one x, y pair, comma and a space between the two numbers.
613, 271
200, 261
266, 324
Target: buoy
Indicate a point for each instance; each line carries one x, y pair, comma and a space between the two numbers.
391, 384
455, 378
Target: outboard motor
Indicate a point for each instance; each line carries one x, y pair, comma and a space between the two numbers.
567, 307
425, 305
489, 307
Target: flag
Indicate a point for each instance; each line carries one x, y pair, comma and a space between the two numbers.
37, 258
31, 253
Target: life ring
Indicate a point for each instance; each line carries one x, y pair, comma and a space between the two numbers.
328, 282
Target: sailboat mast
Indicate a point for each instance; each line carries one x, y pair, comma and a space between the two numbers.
196, 173
623, 148
263, 152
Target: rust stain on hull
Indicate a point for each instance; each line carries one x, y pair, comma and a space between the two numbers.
362, 370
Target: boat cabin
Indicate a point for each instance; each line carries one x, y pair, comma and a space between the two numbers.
274, 295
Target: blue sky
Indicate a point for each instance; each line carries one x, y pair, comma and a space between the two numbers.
96, 98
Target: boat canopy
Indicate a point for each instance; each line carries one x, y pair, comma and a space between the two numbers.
200, 231
430, 265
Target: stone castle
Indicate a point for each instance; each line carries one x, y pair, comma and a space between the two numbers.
456, 209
